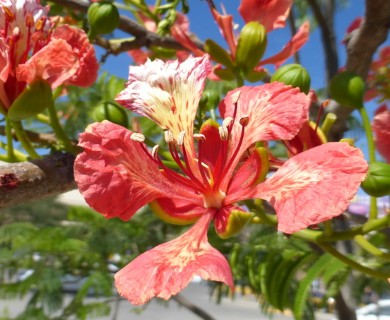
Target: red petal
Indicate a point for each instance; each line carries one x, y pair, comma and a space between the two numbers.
314, 186
381, 128
116, 177
168, 268
55, 63
225, 24
177, 211
271, 14
299, 39
88, 66
211, 147
251, 172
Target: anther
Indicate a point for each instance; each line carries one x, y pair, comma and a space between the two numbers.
325, 103
180, 138
223, 133
168, 135
227, 121
40, 23
244, 120
199, 137
138, 137
154, 151
234, 97
8, 13
29, 20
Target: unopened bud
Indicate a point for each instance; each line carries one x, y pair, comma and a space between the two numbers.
294, 75
377, 182
111, 111
347, 89
103, 17
251, 45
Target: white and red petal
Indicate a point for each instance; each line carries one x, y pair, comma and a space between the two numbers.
314, 186
271, 14
116, 177
168, 268
167, 92
296, 43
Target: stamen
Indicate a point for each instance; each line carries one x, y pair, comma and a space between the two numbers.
235, 96
324, 104
154, 151
29, 20
168, 135
40, 23
180, 138
199, 137
188, 172
8, 13
227, 121
139, 137
244, 120
223, 133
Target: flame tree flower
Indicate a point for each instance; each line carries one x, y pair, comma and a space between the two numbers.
31, 48
219, 167
381, 128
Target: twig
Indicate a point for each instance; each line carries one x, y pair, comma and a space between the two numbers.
26, 181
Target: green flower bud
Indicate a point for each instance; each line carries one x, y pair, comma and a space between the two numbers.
294, 75
377, 182
34, 99
251, 45
103, 17
218, 53
347, 89
111, 111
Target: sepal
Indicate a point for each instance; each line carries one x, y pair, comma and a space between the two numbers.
34, 99
230, 221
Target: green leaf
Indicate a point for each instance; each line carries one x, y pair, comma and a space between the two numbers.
305, 284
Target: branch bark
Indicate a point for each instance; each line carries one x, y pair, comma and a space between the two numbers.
27, 181
143, 37
360, 49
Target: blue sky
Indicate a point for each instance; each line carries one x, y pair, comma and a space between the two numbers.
202, 24
312, 58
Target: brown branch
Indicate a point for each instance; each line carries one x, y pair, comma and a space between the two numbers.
143, 37
36, 137
192, 307
325, 22
26, 181
360, 48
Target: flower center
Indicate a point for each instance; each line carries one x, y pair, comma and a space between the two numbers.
195, 174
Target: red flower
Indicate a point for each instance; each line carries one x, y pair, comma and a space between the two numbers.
32, 48
219, 167
381, 128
